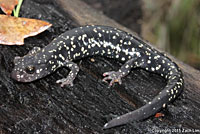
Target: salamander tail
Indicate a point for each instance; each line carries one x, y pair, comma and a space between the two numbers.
170, 92
144, 112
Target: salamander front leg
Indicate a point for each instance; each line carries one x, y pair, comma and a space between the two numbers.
71, 76
116, 76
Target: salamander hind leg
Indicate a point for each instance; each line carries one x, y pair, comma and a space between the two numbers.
71, 76
116, 76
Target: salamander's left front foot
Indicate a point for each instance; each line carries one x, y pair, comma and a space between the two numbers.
71, 76
65, 81
113, 76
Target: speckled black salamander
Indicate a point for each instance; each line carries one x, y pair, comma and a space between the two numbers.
109, 42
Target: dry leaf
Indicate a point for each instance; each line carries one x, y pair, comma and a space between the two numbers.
13, 30
8, 5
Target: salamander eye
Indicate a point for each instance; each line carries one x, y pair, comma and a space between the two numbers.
30, 69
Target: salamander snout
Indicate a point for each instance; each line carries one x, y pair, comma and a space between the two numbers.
21, 76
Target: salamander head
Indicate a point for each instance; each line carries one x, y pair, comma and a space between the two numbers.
28, 69
32, 66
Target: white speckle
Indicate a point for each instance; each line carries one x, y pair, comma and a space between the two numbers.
67, 48
153, 69
89, 46
141, 45
99, 34
61, 56
157, 68
53, 67
164, 105
82, 49
51, 51
37, 71
106, 125
93, 45
163, 61
95, 30
72, 38
172, 91
138, 54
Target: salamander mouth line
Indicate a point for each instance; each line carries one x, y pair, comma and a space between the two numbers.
107, 42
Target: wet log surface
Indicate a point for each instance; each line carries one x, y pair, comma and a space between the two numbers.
44, 107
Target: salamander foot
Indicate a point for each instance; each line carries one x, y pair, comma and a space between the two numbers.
113, 76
